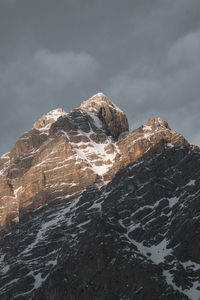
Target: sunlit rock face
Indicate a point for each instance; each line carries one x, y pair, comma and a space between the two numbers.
114, 119
64, 153
91, 211
44, 123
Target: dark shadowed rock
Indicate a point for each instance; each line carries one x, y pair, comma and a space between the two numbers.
135, 238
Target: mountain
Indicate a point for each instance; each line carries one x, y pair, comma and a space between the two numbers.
91, 211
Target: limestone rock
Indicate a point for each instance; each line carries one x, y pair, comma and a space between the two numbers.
136, 237
157, 122
67, 152
115, 120
44, 123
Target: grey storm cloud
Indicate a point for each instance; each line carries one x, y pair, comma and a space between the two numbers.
43, 82
144, 55
169, 89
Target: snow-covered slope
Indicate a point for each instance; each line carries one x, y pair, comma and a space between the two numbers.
135, 238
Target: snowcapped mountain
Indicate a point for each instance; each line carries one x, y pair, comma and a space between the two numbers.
91, 211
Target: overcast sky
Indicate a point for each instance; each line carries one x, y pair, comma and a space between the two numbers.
144, 55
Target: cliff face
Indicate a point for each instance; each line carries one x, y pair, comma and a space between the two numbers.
65, 153
135, 238
96, 212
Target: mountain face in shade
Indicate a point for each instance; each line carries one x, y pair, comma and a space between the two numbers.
91, 211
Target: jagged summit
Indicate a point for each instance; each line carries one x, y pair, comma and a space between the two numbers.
97, 99
114, 118
158, 122
44, 123
67, 152
101, 106
92, 210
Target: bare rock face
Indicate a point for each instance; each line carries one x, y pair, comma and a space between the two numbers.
115, 119
147, 140
67, 152
157, 122
136, 237
44, 123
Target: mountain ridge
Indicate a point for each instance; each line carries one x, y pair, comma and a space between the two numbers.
92, 140
90, 211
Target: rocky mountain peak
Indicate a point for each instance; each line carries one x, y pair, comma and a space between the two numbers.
95, 101
114, 118
65, 153
44, 123
158, 122
85, 201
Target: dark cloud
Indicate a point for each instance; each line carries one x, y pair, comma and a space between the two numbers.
143, 54
29, 88
169, 88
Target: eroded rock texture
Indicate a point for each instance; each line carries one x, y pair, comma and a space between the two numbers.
136, 238
65, 153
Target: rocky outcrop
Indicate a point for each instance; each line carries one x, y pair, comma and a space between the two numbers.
67, 152
114, 119
146, 141
44, 123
